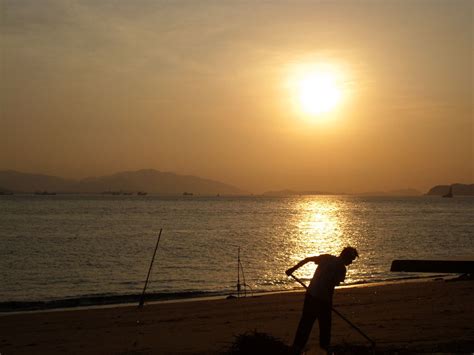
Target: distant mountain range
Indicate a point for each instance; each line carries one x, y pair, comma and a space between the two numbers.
440, 190
403, 192
286, 192
458, 189
399, 192
148, 180
154, 181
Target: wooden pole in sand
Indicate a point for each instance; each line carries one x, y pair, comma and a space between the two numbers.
238, 273
142, 298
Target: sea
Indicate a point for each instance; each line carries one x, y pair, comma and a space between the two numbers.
83, 250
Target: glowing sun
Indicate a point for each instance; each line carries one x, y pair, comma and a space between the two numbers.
316, 90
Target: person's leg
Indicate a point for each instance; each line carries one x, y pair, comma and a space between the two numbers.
308, 317
324, 318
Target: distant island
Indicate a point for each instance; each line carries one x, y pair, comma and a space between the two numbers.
402, 192
439, 190
286, 192
150, 181
457, 190
140, 182
399, 192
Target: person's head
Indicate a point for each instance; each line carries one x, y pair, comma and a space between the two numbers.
348, 255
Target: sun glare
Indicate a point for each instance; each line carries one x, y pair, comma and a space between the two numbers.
316, 91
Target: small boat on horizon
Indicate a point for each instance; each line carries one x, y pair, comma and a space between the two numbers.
45, 193
450, 192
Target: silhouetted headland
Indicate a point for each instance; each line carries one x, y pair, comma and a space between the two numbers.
122, 183
456, 190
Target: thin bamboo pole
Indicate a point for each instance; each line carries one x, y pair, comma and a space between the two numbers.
142, 298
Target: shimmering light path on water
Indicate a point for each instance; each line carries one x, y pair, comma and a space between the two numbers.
70, 246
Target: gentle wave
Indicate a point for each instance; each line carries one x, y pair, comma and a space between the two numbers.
110, 300
97, 300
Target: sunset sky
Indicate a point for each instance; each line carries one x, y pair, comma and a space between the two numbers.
215, 89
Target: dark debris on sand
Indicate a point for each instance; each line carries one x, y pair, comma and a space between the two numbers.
257, 343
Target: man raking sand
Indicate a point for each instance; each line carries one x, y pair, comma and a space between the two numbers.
331, 271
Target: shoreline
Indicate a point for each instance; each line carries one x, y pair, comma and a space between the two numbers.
101, 301
407, 317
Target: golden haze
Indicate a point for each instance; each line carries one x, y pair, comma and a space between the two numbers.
96, 88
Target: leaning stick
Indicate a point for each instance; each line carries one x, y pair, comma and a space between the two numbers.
142, 298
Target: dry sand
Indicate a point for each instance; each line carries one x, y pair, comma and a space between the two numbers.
434, 316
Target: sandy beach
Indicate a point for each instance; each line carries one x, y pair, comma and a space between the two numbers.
429, 316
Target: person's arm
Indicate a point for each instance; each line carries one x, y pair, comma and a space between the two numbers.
314, 259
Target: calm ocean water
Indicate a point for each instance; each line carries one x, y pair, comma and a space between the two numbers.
60, 247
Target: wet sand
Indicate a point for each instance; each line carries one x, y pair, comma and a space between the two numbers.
429, 316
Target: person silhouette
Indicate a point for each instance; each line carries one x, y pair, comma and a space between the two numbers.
331, 271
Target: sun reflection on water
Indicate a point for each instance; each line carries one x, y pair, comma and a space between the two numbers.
320, 223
